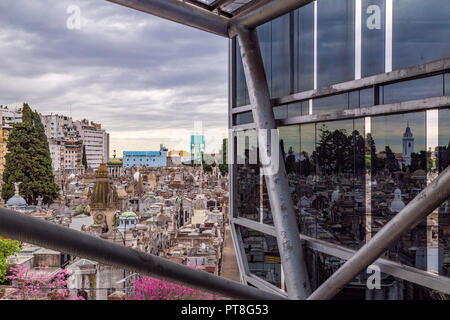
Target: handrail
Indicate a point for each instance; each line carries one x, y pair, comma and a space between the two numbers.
49, 235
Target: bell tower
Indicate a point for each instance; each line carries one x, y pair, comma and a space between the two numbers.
408, 145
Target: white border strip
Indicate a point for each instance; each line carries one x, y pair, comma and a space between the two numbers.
358, 38
315, 45
388, 38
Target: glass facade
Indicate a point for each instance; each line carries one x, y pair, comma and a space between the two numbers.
336, 41
348, 177
419, 28
261, 253
373, 35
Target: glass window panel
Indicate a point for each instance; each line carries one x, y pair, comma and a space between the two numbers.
304, 48
280, 112
444, 211
242, 97
353, 99
331, 103
280, 58
366, 98
421, 30
414, 89
447, 84
263, 257
330, 196
295, 109
290, 147
336, 41
265, 44
247, 182
244, 118
399, 168
373, 37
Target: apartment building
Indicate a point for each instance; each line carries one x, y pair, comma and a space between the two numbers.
66, 140
9, 117
96, 142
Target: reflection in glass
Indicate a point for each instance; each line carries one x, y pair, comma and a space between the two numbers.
414, 89
326, 172
444, 210
280, 57
242, 97
265, 44
330, 104
399, 166
304, 48
336, 41
244, 118
366, 98
280, 112
295, 109
263, 258
447, 84
247, 182
420, 32
373, 37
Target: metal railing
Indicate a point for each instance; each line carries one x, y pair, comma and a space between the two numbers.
32, 230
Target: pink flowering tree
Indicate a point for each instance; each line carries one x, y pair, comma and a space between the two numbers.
148, 288
38, 285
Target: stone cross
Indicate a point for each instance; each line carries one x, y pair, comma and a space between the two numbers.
39, 201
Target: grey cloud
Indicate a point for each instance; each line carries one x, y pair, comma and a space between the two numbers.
126, 69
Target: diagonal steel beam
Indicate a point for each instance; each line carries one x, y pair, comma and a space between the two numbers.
271, 10
421, 206
52, 236
284, 218
180, 12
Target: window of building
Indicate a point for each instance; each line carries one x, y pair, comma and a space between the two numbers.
373, 31
336, 41
304, 48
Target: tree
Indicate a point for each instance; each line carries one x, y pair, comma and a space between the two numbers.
34, 285
334, 152
223, 167
7, 248
391, 161
148, 288
84, 158
207, 163
28, 160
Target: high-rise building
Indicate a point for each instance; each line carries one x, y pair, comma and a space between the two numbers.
197, 147
66, 140
95, 140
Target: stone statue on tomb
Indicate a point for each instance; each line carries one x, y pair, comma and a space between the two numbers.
397, 204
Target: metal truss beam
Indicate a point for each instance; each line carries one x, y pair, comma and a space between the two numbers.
289, 245
180, 12
421, 206
52, 236
398, 270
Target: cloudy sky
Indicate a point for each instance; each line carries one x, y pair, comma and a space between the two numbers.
146, 80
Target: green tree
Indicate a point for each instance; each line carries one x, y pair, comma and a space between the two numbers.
7, 248
223, 167
207, 167
28, 160
84, 159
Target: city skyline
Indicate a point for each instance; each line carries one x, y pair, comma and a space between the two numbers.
129, 71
